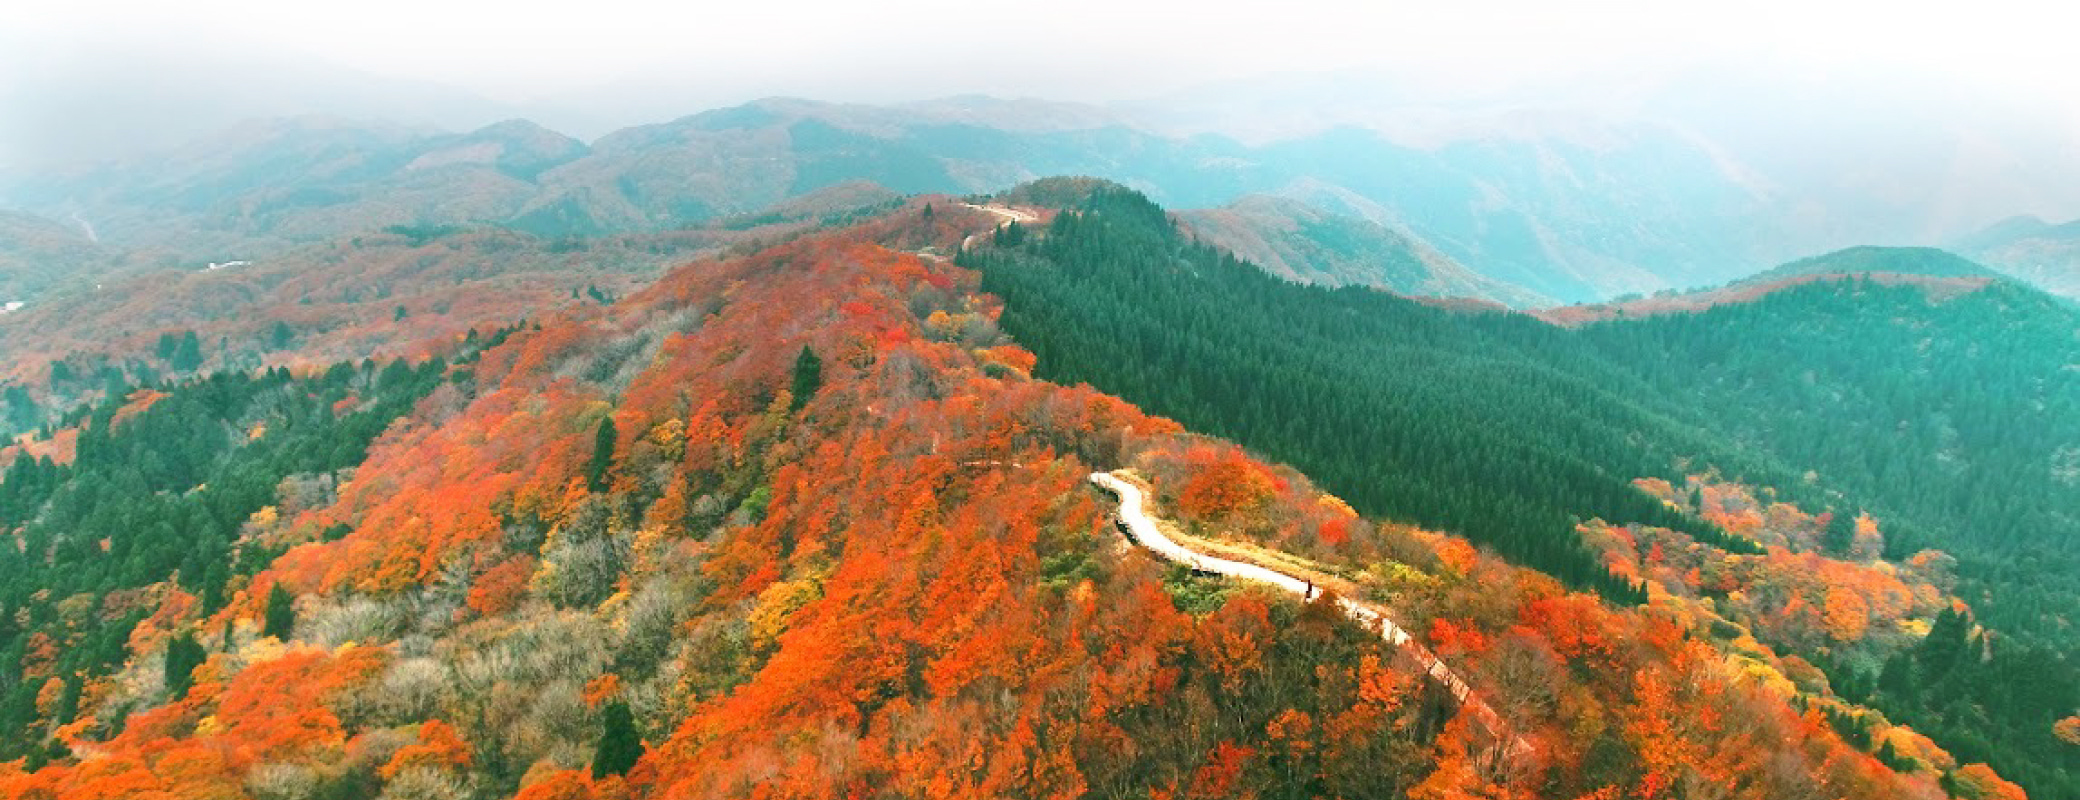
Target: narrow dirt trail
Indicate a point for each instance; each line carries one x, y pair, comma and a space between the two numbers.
1144, 532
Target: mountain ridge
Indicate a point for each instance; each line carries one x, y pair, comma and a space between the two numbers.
1938, 273
1643, 208
804, 504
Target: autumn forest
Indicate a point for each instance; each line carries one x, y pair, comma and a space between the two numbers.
797, 505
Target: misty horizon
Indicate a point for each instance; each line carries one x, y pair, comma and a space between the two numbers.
200, 68
1758, 135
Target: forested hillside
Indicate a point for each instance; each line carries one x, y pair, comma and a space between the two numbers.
799, 523
1947, 417
1498, 427
147, 518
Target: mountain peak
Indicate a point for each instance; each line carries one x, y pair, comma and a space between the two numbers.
1938, 272
1924, 261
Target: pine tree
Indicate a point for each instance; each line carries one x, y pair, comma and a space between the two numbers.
602, 455
620, 746
808, 377
1945, 646
187, 357
213, 580
183, 655
1839, 534
280, 619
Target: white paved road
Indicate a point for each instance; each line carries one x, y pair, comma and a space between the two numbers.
1145, 533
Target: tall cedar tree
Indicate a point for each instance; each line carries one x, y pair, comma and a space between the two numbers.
619, 744
1840, 533
602, 455
187, 357
808, 377
281, 613
183, 655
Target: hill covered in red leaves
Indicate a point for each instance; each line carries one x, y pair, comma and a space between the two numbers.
798, 522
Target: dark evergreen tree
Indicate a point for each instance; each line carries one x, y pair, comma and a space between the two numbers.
187, 356
596, 477
280, 336
279, 621
1839, 534
183, 655
213, 578
620, 745
808, 377
21, 409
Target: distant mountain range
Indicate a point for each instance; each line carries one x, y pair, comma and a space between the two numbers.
1566, 207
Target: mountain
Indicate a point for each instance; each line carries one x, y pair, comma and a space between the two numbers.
1595, 209
1937, 273
1301, 243
1948, 418
805, 505
2033, 250
1867, 260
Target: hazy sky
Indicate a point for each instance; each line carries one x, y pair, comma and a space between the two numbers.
516, 50
82, 80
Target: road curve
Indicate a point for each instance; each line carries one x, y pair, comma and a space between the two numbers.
1145, 533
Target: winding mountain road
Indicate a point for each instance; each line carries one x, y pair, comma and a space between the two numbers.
1145, 533
1005, 214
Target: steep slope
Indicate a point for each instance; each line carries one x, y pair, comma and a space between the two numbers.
1947, 416
1495, 427
1302, 243
1957, 413
797, 523
1956, 419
